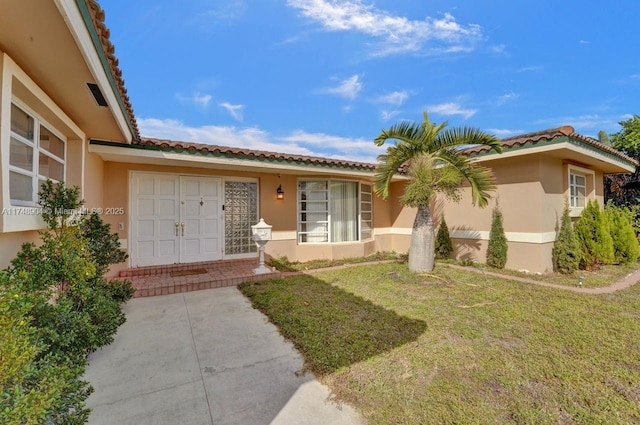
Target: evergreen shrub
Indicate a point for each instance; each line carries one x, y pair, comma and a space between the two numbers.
566, 249
497, 250
594, 235
443, 246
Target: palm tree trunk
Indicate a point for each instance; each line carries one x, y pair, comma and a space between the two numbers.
422, 247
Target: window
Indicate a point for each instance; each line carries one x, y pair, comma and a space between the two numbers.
577, 190
35, 155
240, 213
334, 211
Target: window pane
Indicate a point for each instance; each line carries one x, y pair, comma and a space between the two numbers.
21, 123
241, 212
366, 212
344, 211
580, 180
51, 168
21, 155
51, 143
313, 185
20, 187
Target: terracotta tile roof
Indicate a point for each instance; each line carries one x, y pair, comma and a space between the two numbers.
550, 134
97, 16
253, 154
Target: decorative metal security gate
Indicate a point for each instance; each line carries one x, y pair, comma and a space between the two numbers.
240, 213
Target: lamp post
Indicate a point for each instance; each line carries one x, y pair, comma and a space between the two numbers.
261, 234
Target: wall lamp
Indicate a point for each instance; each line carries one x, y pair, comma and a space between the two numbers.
279, 192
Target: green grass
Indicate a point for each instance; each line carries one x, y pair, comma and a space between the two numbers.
284, 265
605, 276
462, 348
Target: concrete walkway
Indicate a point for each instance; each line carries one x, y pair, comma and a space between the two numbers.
204, 358
630, 280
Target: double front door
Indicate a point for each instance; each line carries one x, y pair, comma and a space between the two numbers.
175, 219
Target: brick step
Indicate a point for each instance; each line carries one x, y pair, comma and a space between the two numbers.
149, 286
169, 268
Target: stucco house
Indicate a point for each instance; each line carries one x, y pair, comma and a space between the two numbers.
65, 115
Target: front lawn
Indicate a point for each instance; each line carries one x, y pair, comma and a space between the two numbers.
457, 347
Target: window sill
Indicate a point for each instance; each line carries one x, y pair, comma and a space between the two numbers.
575, 211
17, 219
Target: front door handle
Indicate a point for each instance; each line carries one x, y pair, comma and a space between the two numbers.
182, 225
177, 225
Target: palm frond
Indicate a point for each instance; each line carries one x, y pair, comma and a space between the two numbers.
479, 177
457, 137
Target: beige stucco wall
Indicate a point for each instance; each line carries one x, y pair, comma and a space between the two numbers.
532, 191
281, 214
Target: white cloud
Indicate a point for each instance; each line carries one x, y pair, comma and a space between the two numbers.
451, 108
199, 99
503, 132
234, 110
397, 34
297, 142
387, 115
355, 149
530, 68
506, 98
348, 89
396, 98
582, 123
584, 42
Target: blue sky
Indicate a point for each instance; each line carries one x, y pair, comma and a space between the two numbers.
324, 77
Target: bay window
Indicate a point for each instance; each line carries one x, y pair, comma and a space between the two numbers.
334, 211
35, 155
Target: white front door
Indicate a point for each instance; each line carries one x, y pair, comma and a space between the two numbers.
175, 219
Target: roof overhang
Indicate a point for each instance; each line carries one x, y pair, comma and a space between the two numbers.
139, 154
56, 44
569, 149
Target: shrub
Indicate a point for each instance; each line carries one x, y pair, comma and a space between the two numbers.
103, 244
444, 246
566, 249
594, 235
28, 388
72, 309
625, 244
497, 250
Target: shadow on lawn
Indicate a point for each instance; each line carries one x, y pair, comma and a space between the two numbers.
332, 328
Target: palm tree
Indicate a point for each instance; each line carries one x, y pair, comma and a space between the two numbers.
433, 160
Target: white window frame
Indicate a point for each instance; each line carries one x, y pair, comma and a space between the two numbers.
328, 221
589, 180
35, 175
224, 242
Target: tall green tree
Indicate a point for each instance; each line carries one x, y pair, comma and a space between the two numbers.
432, 157
624, 189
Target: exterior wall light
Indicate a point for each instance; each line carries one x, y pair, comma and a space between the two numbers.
279, 192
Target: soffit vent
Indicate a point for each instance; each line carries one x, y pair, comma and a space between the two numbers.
97, 94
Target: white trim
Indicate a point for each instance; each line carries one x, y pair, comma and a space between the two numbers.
78, 29
23, 219
144, 156
379, 231
553, 147
520, 237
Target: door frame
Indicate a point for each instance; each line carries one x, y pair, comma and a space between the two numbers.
178, 178
223, 180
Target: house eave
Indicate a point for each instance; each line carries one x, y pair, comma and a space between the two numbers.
139, 154
568, 148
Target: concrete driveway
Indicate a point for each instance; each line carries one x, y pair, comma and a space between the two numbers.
205, 357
